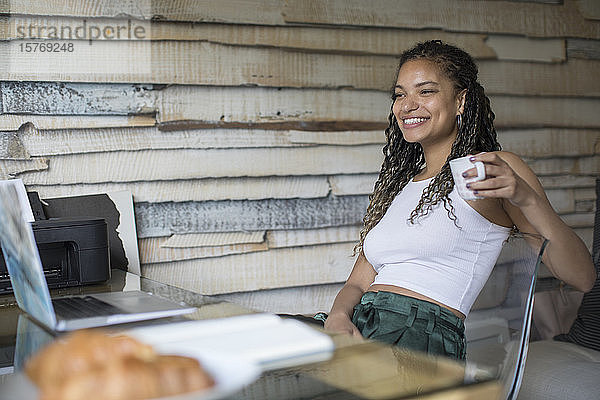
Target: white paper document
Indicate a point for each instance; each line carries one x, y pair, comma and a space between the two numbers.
265, 339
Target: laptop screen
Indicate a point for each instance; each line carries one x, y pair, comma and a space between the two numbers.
22, 258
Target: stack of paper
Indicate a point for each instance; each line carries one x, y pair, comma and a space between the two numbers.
265, 339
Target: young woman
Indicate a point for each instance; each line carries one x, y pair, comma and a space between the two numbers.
424, 252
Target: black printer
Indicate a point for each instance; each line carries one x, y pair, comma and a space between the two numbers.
73, 251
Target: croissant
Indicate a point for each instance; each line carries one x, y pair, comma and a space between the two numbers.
92, 365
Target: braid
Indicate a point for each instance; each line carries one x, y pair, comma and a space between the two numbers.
404, 160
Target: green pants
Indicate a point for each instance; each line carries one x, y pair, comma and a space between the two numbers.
411, 323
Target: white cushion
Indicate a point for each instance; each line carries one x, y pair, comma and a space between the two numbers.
559, 370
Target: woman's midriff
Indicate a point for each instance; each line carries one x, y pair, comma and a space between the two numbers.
410, 293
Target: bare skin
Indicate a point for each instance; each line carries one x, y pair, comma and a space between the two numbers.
426, 107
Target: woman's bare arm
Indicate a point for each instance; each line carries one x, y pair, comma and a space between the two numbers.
511, 179
340, 316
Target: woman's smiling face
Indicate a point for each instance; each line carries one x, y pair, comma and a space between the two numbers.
426, 103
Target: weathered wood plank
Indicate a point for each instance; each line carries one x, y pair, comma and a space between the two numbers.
589, 9
204, 63
569, 166
336, 40
585, 206
140, 9
71, 141
11, 146
53, 98
247, 12
352, 184
568, 181
562, 200
153, 250
527, 49
164, 219
579, 220
358, 41
365, 41
223, 104
337, 137
147, 165
12, 168
536, 1
585, 201
587, 235
11, 122
305, 300
550, 142
546, 112
216, 104
276, 268
585, 194
459, 15
78, 61
265, 105
289, 124
543, 79
213, 239
305, 237
200, 189
583, 48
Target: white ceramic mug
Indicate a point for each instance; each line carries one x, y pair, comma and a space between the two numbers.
460, 165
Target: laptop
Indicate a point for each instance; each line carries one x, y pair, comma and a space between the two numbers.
72, 312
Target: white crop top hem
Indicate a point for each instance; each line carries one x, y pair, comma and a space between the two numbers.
434, 257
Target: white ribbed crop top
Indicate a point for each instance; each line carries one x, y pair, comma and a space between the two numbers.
433, 256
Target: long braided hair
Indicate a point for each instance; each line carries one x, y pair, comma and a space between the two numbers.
404, 160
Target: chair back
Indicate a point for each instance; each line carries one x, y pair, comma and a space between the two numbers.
498, 326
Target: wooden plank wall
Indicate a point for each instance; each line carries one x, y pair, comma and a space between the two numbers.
250, 133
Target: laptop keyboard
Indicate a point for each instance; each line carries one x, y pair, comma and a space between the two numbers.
83, 307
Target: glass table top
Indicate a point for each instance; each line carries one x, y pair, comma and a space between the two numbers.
358, 369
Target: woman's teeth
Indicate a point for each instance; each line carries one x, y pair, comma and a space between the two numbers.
410, 121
